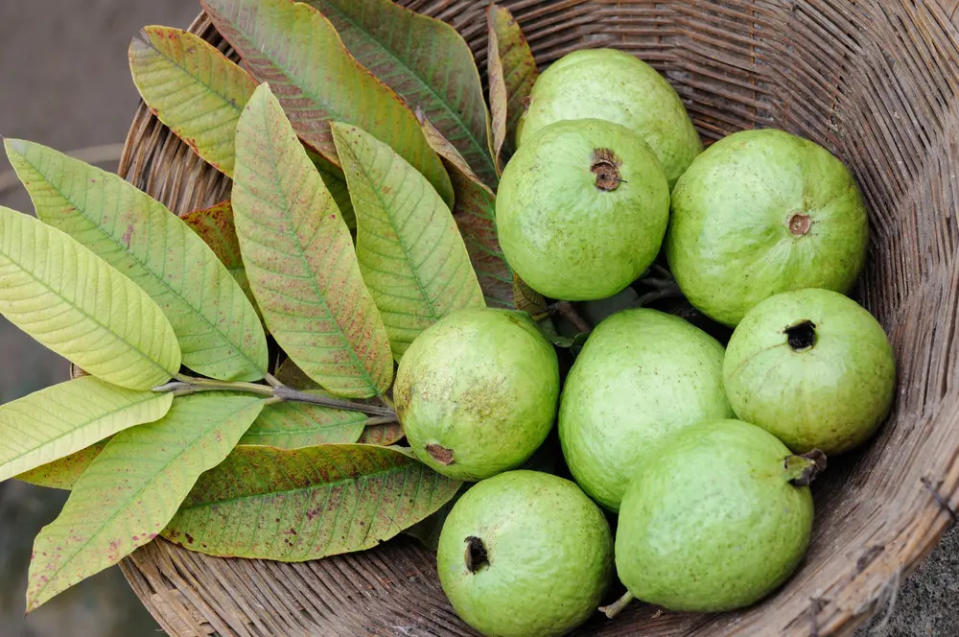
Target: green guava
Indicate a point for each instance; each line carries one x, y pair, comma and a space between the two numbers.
761, 212
582, 209
524, 554
617, 87
715, 519
476, 392
641, 375
813, 368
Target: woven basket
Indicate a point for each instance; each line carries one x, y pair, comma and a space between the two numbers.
876, 82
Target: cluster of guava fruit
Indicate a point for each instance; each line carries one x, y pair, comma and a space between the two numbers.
700, 455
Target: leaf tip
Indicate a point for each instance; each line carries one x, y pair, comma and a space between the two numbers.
13, 145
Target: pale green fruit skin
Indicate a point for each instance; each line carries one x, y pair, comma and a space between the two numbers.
642, 375
729, 244
711, 522
617, 87
549, 549
831, 396
482, 383
564, 236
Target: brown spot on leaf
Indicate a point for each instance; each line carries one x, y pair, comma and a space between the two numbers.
189, 538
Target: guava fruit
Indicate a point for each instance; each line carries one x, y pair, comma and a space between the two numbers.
524, 554
582, 209
761, 212
617, 87
715, 519
476, 392
812, 367
641, 375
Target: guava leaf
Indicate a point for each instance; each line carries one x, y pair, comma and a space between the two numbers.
384, 434
303, 504
63, 473
56, 421
294, 48
192, 88
474, 211
215, 226
335, 182
133, 488
75, 304
528, 300
219, 332
427, 63
511, 69
290, 425
300, 259
410, 252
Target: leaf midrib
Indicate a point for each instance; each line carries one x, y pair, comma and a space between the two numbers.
477, 145
86, 314
116, 242
99, 529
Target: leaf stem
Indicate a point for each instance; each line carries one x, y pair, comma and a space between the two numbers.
568, 311
184, 385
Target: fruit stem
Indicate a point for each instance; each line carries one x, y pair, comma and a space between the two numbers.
611, 610
568, 312
606, 168
802, 469
184, 385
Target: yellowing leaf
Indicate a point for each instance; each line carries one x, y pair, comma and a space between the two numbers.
475, 214
411, 255
289, 425
511, 69
218, 330
294, 48
300, 260
427, 63
74, 303
59, 420
303, 504
63, 473
336, 183
385, 434
192, 88
215, 226
133, 488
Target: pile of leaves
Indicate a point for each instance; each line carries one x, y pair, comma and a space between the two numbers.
238, 360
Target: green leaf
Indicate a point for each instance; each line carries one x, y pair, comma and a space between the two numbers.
219, 332
300, 260
74, 303
59, 420
427, 63
215, 226
63, 473
133, 488
192, 88
290, 425
306, 503
335, 182
511, 69
294, 48
475, 214
410, 252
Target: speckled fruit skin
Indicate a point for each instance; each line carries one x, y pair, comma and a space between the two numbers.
730, 242
617, 87
830, 396
565, 236
481, 383
641, 375
549, 554
711, 521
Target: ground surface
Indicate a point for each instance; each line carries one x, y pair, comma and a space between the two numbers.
64, 82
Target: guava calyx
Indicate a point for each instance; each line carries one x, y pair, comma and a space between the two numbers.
475, 556
799, 224
805, 467
606, 168
440, 453
801, 336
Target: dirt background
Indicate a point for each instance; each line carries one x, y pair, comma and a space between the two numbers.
64, 82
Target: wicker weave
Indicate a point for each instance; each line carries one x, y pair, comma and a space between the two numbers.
876, 82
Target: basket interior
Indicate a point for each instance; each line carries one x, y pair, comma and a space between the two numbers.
875, 82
